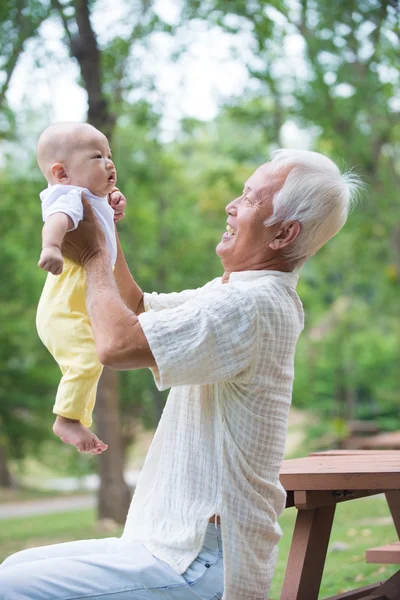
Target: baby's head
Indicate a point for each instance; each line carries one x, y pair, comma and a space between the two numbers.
76, 154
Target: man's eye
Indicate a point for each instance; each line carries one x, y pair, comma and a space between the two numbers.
247, 199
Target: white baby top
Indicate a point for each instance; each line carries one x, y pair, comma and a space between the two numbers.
67, 199
227, 351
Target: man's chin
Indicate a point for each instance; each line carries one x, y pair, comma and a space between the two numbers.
219, 250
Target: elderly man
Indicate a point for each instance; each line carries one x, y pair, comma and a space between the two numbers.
203, 520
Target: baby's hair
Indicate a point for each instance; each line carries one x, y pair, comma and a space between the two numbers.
56, 142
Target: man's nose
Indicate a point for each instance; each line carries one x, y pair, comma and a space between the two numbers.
231, 207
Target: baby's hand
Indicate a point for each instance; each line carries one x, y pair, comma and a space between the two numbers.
118, 204
51, 260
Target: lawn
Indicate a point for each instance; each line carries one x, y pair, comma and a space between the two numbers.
358, 525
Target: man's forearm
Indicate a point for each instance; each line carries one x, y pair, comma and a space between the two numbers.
119, 338
129, 290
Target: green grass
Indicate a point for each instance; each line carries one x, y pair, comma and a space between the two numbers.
18, 534
358, 524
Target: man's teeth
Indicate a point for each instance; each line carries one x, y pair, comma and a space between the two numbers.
230, 230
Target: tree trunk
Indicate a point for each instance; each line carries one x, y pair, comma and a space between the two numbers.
114, 495
6, 479
84, 48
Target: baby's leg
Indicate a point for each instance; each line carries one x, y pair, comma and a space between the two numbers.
64, 328
76, 392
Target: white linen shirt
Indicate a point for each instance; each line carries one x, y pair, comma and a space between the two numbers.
227, 352
67, 199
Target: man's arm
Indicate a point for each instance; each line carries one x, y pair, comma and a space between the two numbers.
129, 290
119, 338
120, 341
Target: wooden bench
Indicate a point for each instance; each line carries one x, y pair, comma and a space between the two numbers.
315, 485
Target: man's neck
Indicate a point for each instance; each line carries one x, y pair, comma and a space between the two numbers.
277, 266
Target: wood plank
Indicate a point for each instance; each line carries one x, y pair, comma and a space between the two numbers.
359, 593
353, 472
307, 554
393, 500
322, 481
350, 452
368, 463
384, 555
313, 499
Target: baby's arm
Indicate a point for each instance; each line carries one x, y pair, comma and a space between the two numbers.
53, 232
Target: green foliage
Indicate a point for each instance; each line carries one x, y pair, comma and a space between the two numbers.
19, 21
25, 383
343, 87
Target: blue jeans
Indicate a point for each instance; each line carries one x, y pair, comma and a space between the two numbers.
107, 570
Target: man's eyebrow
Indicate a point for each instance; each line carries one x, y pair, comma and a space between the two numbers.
256, 192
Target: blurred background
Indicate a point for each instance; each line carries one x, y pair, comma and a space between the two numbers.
194, 95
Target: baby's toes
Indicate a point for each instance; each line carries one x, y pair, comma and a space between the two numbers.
81, 446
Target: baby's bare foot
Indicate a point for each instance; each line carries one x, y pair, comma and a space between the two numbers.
74, 433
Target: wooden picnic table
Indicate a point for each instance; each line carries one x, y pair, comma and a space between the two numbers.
314, 485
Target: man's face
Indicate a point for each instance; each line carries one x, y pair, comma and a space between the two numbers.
245, 244
90, 164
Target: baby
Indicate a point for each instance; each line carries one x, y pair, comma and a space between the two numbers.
75, 158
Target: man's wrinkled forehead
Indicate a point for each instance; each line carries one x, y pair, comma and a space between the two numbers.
267, 180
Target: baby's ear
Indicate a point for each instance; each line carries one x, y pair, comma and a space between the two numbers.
58, 172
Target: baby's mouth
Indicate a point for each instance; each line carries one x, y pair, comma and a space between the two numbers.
112, 178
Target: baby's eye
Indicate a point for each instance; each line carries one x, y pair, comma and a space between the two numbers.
97, 156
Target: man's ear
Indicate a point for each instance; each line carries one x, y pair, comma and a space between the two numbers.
59, 173
286, 235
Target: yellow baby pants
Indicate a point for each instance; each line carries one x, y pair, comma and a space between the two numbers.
64, 328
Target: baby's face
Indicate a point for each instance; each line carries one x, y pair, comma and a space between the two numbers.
90, 164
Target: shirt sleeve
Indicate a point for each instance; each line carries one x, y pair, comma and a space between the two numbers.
155, 301
210, 338
69, 204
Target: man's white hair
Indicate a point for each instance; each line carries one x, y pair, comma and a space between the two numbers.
317, 195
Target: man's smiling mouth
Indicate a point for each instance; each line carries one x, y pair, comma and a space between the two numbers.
230, 230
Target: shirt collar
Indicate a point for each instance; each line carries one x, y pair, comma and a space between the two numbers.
290, 278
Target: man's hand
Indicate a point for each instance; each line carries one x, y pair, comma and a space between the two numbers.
118, 204
51, 260
88, 241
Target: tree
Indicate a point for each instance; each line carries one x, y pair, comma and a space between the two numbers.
102, 71
19, 22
